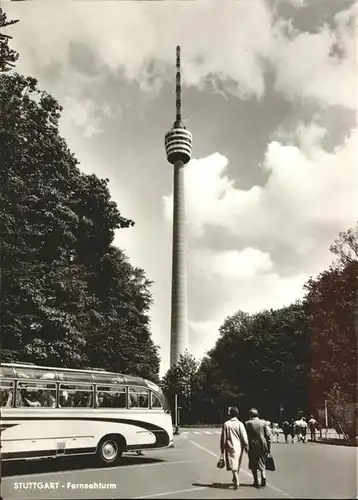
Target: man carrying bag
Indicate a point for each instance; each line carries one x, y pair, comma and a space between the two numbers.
259, 436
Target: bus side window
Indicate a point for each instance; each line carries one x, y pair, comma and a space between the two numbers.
120, 400
104, 399
111, 397
133, 400
138, 397
84, 399
36, 395
76, 396
6, 394
156, 403
144, 399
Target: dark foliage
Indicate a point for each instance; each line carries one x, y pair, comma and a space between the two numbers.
182, 379
69, 298
8, 56
332, 299
260, 360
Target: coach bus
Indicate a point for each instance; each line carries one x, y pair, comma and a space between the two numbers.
53, 412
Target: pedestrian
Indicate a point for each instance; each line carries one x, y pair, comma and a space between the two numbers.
292, 429
304, 429
233, 442
259, 437
275, 432
312, 424
301, 429
286, 429
298, 430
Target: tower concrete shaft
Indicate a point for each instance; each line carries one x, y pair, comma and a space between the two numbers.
179, 316
178, 142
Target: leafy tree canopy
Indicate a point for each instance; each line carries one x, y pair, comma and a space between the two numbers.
332, 304
345, 247
182, 379
259, 360
69, 297
8, 57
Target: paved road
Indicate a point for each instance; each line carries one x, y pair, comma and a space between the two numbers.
189, 471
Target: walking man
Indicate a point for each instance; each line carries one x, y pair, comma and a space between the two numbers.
301, 429
312, 424
298, 430
233, 442
286, 429
259, 437
304, 429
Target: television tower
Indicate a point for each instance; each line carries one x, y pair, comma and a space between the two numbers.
178, 143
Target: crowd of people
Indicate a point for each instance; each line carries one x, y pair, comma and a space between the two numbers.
255, 438
298, 429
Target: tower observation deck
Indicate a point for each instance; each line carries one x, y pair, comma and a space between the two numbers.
178, 144
178, 140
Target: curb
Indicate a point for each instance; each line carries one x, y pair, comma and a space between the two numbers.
335, 442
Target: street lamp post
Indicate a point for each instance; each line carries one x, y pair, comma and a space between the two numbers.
176, 416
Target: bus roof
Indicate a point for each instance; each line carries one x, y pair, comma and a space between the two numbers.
32, 371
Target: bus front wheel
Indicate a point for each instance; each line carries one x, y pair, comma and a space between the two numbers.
110, 450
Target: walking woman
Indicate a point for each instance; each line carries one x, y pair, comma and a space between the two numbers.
259, 437
233, 442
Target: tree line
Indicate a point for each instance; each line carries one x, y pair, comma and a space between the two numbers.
287, 361
69, 296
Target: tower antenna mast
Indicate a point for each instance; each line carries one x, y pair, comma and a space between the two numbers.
178, 122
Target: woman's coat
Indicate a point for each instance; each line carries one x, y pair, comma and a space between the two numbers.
233, 443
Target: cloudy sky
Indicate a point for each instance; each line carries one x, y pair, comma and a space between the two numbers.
269, 93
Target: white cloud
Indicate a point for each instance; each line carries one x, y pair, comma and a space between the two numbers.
310, 186
128, 35
232, 264
294, 3
203, 336
233, 45
262, 292
307, 186
307, 64
212, 201
82, 114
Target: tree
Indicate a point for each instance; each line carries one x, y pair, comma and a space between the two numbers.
346, 247
339, 405
8, 56
332, 304
182, 379
47, 231
260, 360
69, 297
120, 337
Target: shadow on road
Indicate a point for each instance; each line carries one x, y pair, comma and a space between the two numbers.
220, 486
66, 464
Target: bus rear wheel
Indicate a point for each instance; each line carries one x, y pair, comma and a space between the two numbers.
110, 450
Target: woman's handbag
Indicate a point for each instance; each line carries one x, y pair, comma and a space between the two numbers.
270, 463
221, 463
